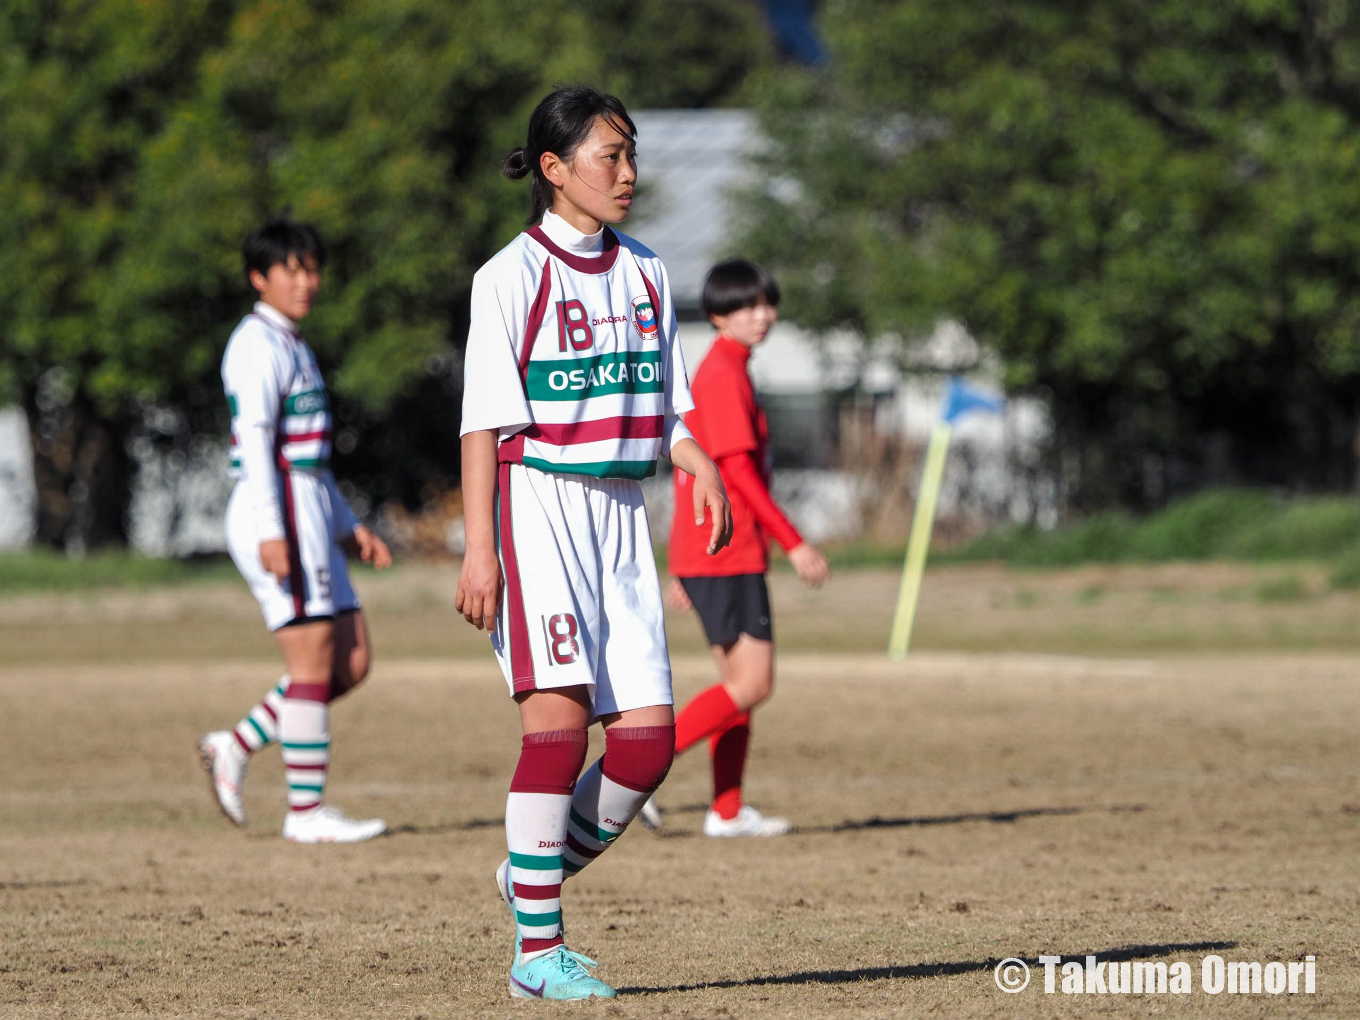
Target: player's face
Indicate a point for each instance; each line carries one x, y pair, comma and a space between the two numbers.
750, 325
596, 185
290, 286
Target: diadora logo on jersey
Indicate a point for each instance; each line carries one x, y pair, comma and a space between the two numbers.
605, 320
644, 317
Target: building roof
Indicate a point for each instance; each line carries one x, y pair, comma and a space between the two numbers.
689, 162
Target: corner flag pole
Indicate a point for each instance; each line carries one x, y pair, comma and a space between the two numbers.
922, 524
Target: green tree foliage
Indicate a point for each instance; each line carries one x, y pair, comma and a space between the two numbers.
1148, 210
143, 140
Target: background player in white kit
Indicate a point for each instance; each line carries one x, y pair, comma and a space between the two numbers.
574, 384
288, 529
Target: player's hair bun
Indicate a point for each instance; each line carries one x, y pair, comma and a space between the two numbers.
516, 165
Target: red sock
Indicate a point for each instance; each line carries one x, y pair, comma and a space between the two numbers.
728, 748
707, 713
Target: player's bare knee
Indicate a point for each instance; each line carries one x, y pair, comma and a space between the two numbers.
751, 687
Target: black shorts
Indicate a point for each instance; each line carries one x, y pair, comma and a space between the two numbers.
731, 606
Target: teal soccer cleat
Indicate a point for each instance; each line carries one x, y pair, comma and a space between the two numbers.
557, 974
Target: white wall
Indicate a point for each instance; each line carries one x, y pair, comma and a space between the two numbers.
17, 494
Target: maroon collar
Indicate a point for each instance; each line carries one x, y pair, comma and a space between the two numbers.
602, 263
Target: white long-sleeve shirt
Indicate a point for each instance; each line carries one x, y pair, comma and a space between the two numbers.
280, 416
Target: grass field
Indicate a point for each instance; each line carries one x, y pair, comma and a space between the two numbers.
1150, 763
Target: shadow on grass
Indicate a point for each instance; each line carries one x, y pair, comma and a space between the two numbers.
922, 821
930, 970
439, 829
473, 824
470, 825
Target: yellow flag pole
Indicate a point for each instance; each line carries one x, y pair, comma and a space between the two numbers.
922, 524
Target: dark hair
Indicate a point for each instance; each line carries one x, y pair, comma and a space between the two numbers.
277, 241
735, 284
558, 125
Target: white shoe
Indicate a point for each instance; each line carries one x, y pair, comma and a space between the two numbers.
749, 822
650, 815
328, 825
225, 763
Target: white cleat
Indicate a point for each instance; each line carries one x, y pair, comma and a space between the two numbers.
749, 822
225, 763
328, 825
650, 815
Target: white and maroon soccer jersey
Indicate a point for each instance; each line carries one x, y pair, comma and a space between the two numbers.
279, 410
281, 446
573, 359
573, 354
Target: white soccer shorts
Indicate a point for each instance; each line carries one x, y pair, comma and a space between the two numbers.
313, 550
582, 603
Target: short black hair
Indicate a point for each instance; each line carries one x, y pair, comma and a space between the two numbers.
277, 241
736, 284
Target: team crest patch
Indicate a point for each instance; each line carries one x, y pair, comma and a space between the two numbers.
644, 318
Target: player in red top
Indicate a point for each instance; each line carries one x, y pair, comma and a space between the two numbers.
728, 590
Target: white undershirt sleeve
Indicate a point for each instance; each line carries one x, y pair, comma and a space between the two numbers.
257, 379
673, 431
493, 393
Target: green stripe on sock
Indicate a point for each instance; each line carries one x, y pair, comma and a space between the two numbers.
258, 729
548, 920
568, 868
305, 788
533, 862
591, 829
322, 746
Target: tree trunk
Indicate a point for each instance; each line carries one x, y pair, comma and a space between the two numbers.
81, 471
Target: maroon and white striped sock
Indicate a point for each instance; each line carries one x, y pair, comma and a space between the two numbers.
305, 738
260, 726
536, 829
613, 790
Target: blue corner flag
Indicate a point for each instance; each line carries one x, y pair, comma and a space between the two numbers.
961, 398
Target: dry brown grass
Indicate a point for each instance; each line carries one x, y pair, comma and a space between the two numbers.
962, 808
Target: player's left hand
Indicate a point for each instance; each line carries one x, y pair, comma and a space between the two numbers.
369, 548
710, 500
677, 598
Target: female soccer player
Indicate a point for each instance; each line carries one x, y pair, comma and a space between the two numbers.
574, 384
728, 590
288, 529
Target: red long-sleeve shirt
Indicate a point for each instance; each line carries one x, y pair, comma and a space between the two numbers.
730, 425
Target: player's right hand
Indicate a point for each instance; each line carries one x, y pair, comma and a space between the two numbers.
274, 558
479, 588
710, 500
810, 565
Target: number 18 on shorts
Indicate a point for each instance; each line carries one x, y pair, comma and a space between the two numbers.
582, 603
